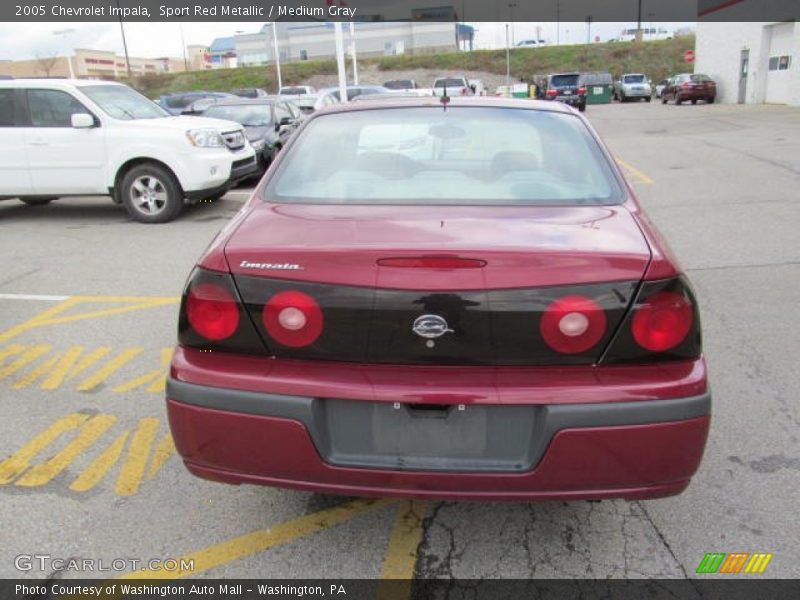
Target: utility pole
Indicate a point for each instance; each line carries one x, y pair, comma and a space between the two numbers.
558, 23
277, 54
124, 42
589, 29
183, 45
353, 52
337, 28
508, 62
639, 23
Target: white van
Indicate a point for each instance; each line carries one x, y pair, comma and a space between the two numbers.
61, 137
648, 34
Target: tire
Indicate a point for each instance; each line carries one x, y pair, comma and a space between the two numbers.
677, 101
38, 200
582, 107
710, 100
647, 99
694, 100
663, 99
151, 194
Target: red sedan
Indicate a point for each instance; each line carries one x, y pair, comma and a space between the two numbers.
689, 87
442, 300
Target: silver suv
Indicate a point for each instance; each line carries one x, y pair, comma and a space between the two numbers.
633, 86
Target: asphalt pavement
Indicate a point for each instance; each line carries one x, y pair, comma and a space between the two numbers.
88, 311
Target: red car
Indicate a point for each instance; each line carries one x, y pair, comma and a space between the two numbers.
689, 87
437, 299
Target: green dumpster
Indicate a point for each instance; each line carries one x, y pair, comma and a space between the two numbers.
599, 87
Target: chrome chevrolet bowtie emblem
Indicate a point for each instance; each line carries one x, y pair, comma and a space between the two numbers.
430, 326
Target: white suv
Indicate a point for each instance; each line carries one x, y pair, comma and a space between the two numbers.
85, 138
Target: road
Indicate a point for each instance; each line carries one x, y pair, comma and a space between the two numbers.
88, 307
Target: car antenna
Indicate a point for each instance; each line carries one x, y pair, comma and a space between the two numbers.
445, 99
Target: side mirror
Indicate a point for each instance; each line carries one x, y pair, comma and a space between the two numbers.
82, 121
285, 122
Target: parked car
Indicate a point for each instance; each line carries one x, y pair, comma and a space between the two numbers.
356, 90
296, 90
312, 103
177, 103
268, 123
567, 88
659, 87
250, 93
400, 311
531, 44
689, 87
401, 84
633, 86
97, 138
455, 86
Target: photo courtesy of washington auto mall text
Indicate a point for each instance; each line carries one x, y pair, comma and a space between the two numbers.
399, 299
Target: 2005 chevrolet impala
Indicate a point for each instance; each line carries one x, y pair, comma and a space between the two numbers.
445, 300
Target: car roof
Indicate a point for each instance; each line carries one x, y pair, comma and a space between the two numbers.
237, 100
56, 82
392, 101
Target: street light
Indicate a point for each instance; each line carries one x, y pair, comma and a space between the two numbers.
64, 33
277, 55
124, 43
589, 29
508, 61
512, 6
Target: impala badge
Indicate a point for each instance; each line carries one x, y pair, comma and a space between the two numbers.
430, 326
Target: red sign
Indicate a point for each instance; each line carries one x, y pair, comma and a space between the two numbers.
688, 56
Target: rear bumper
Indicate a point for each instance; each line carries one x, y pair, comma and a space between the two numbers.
575, 100
632, 449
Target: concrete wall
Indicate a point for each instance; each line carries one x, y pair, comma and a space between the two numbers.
718, 53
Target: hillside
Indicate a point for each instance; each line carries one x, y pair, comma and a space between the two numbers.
657, 59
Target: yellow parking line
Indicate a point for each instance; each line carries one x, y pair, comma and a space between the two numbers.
65, 370
100, 466
89, 433
130, 476
263, 539
165, 449
19, 461
401, 555
111, 367
156, 379
28, 355
636, 172
54, 315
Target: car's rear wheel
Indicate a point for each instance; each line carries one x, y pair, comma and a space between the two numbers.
582, 107
151, 194
694, 100
663, 99
710, 100
647, 98
38, 200
677, 100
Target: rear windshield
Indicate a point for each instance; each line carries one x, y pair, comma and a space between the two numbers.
462, 156
700, 77
633, 79
564, 80
440, 83
399, 84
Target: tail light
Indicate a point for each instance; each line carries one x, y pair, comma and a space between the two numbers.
551, 93
663, 323
293, 319
212, 316
582, 91
573, 324
464, 91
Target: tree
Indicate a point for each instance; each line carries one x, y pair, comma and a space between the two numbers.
46, 63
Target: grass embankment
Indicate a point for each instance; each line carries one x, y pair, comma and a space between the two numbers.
657, 59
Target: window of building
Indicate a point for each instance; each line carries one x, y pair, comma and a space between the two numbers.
784, 62
303, 54
773, 63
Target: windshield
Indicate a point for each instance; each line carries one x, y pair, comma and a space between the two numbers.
449, 83
633, 79
249, 115
290, 91
564, 80
423, 155
121, 102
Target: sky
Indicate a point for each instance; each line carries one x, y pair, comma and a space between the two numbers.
150, 40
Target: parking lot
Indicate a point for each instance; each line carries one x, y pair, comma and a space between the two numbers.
88, 311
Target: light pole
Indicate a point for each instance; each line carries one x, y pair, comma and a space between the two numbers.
353, 52
183, 46
124, 42
277, 54
508, 61
64, 33
558, 23
337, 28
512, 6
589, 29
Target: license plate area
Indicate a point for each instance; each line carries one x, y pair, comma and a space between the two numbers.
428, 437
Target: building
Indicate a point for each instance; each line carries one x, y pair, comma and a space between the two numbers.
752, 62
222, 53
88, 63
298, 41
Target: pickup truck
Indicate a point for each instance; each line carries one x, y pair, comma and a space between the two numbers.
61, 137
455, 86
